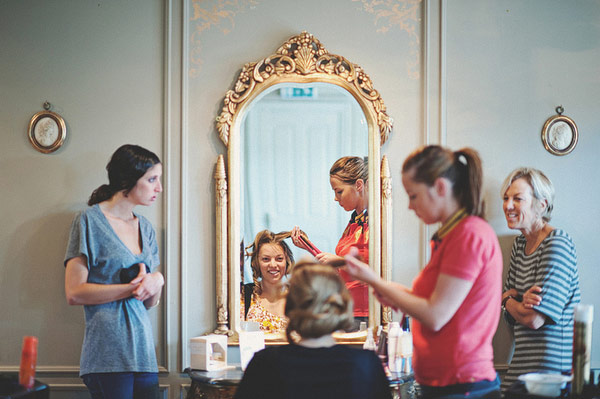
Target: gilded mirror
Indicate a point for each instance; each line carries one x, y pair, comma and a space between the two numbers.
301, 70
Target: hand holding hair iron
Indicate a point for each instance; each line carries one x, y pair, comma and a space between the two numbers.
310, 247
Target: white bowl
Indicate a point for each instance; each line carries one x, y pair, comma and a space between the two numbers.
544, 384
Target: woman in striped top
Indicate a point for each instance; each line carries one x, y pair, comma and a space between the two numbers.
542, 286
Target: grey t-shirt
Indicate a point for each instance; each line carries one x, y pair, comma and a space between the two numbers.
118, 335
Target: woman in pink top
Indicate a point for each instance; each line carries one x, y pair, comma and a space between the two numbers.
455, 300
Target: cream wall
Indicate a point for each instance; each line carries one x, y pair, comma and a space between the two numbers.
485, 74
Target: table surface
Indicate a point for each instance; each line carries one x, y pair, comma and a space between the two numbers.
233, 374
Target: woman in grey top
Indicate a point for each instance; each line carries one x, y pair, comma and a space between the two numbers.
542, 285
117, 358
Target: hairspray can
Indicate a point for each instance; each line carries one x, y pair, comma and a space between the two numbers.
582, 348
28, 362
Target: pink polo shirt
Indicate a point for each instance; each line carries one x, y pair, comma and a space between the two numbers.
461, 351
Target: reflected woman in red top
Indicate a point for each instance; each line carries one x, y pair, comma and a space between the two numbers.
349, 181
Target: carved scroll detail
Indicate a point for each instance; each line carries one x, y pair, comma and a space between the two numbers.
301, 55
386, 231
221, 253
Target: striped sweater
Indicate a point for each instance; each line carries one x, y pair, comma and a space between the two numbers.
553, 267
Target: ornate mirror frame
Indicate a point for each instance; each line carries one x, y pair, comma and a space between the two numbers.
301, 59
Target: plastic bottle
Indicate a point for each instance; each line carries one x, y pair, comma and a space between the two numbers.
394, 360
406, 346
28, 362
370, 341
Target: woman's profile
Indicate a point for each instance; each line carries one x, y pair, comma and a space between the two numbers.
348, 177
454, 302
118, 358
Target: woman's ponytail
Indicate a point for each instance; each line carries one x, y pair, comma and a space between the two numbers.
468, 186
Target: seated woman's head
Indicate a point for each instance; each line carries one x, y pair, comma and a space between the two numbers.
318, 302
270, 258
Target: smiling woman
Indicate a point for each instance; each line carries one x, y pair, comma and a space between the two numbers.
271, 260
541, 289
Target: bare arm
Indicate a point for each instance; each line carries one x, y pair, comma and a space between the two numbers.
523, 313
434, 312
328, 259
79, 292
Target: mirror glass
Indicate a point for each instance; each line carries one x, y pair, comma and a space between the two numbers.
290, 136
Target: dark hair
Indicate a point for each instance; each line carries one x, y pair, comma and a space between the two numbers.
318, 302
268, 237
350, 169
462, 168
128, 163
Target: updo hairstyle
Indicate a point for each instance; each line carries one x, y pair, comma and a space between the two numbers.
462, 168
318, 302
350, 169
128, 163
253, 250
542, 187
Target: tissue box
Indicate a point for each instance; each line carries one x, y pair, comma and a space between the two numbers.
208, 352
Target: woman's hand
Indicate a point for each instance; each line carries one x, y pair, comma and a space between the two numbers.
384, 300
329, 259
148, 284
295, 235
522, 311
359, 270
531, 299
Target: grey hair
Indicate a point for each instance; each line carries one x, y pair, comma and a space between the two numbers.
542, 187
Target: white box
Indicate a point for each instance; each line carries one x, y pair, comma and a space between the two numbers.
208, 352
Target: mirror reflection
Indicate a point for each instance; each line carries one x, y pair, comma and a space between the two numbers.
291, 136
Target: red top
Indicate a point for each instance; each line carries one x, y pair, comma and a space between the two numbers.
461, 351
356, 235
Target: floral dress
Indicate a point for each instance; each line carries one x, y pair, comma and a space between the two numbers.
269, 322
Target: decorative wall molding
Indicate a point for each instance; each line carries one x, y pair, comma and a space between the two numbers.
402, 14
386, 232
221, 14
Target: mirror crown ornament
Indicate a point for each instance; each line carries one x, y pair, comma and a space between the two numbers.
301, 55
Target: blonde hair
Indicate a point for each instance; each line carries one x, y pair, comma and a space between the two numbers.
318, 302
541, 186
350, 169
253, 250
462, 168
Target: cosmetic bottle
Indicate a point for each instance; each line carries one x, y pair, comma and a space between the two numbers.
28, 362
394, 359
406, 347
370, 341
